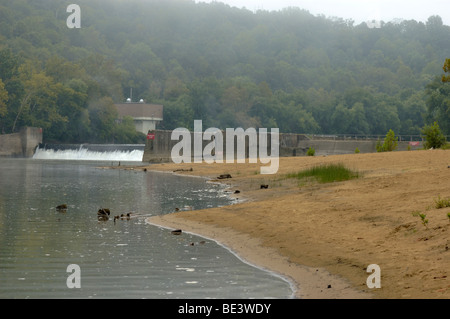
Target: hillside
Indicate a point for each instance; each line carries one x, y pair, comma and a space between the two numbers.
229, 67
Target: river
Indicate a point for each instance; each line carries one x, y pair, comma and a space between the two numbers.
121, 259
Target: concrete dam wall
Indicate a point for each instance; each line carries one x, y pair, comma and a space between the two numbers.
22, 144
159, 145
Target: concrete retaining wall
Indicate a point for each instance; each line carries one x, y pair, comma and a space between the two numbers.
22, 144
159, 147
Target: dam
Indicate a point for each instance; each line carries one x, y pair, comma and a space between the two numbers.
159, 145
21, 144
90, 152
158, 148
27, 143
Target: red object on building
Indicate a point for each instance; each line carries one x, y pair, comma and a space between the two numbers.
414, 143
150, 136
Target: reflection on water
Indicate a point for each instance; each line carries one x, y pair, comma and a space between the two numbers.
125, 259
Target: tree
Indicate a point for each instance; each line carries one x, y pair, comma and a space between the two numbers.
3, 99
72, 104
103, 115
390, 143
433, 136
340, 120
106, 77
359, 122
446, 78
438, 104
125, 132
260, 64
12, 91
39, 106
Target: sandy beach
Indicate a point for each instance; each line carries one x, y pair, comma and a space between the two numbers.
322, 237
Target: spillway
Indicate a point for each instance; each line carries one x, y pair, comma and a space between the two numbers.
91, 152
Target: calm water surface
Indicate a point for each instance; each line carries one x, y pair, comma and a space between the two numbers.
126, 259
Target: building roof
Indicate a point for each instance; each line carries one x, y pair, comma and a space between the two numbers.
140, 110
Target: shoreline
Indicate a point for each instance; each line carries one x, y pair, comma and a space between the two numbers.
306, 282
325, 235
163, 223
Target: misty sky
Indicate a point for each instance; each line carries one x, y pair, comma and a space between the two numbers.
358, 10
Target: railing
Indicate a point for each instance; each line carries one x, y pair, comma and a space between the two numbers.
404, 138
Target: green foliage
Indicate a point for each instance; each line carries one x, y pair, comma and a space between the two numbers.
390, 143
379, 146
125, 132
441, 202
356, 150
446, 68
3, 99
423, 217
311, 152
438, 103
326, 173
433, 136
229, 67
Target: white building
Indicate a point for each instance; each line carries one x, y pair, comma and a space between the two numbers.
145, 116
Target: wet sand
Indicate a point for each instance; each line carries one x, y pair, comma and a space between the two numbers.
324, 236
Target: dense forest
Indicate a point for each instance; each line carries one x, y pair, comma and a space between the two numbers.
229, 67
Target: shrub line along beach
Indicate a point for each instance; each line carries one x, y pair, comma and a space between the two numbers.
323, 235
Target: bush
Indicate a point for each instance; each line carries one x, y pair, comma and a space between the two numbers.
311, 152
434, 138
390, 143
356, 150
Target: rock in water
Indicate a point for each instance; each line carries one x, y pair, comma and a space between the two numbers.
61, 207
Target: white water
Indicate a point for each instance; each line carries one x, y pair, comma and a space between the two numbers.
89, 155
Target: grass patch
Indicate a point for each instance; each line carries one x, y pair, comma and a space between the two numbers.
326, 173
441, 202
423, 218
